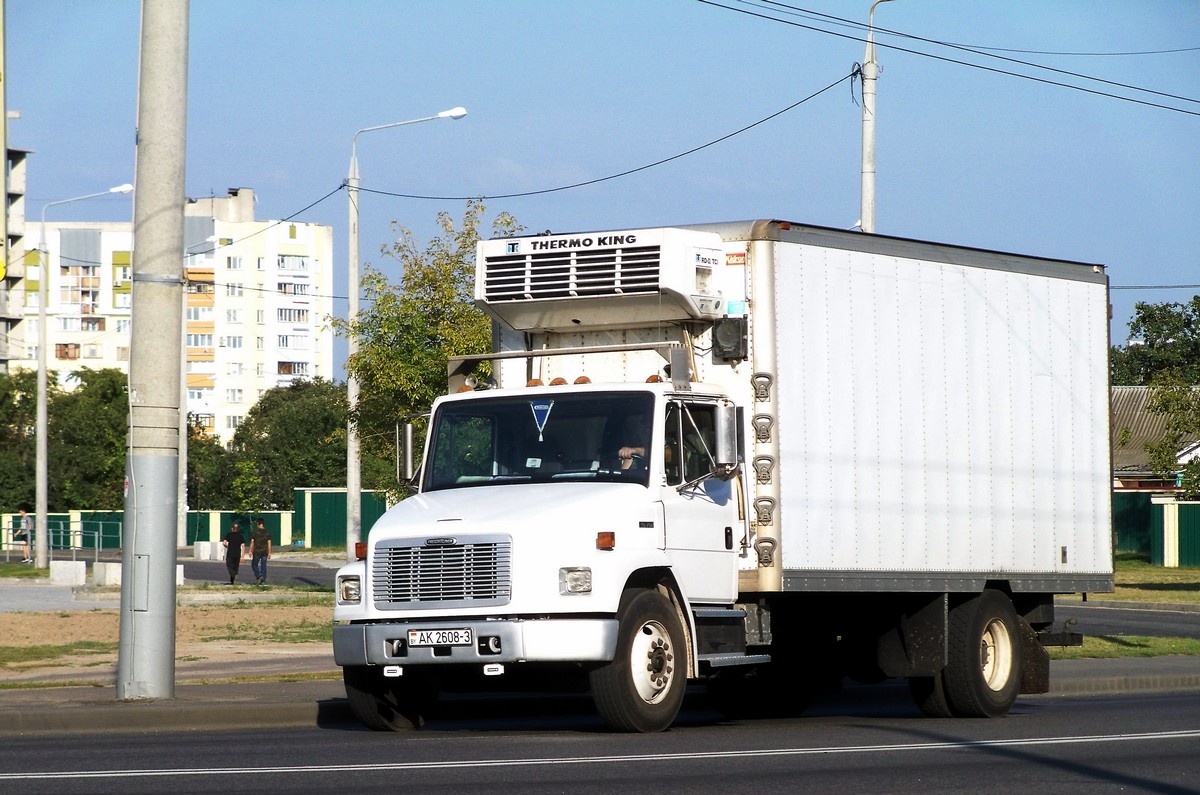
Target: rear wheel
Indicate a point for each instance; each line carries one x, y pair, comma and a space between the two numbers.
642, 689
388, 703
983, 675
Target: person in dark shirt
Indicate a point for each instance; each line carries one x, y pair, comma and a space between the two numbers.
260, 551
233, 544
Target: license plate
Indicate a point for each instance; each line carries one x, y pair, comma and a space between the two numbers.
440, 637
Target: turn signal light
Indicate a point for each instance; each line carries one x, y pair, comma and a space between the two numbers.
360, 550
606, 540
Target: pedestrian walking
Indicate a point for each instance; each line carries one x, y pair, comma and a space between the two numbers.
24, 535
260, 551
233, 543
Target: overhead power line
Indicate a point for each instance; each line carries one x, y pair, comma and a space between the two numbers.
626, 172
959, 62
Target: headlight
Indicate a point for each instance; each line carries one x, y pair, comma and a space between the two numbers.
349, 590
574, 580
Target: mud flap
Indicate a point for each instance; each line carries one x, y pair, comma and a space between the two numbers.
1035, 674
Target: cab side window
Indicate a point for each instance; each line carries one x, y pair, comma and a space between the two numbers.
699, 439
689, 438
673, 449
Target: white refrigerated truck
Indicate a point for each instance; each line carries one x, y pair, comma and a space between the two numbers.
763, 454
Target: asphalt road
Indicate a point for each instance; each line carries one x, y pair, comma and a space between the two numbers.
278, 573
1140, 743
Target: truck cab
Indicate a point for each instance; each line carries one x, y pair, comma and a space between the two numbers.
540, 509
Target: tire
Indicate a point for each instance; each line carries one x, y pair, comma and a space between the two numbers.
983, 674
388, 704
929, 694
642, 689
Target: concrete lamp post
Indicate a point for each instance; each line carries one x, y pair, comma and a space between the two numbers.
42, 525
353, 462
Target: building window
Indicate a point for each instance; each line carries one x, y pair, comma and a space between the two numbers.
260, 343
93, 351
199, 313
233, 422
234, 289
199, 340
292, 262
262, 263
292, 315
92, 324
122, 326
233, 316
200, 288
122, 353
233, 263
233, 396
261, 316
233, 342
236, 368
69, 324
66, 350
293, 368
293, 288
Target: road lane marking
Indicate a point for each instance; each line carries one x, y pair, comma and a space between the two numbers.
619, 758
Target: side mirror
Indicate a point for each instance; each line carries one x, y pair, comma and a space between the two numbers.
728, 454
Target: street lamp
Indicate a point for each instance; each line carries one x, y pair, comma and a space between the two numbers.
353, 470
870, 73
42, 525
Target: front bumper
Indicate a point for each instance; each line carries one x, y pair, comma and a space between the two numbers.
517, 640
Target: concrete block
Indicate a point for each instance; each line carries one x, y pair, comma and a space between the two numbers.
179, 574
218, 551
68, 572
106, 574
202, 550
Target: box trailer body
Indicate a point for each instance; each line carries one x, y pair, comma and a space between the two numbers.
842, 454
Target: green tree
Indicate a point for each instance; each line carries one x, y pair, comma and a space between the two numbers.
87, 435
293, 437
1179, 403
1166, 338
409, 329
18, 439
1165, 356
209, 471
246, 489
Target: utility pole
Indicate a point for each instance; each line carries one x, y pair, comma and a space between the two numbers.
870, 73
146, 654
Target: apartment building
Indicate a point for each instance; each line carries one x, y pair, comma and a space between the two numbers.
12, 261
256, 305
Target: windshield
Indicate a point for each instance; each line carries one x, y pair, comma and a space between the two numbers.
591, 436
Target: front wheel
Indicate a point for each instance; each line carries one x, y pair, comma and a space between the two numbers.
983, 674
386, 703
642, 689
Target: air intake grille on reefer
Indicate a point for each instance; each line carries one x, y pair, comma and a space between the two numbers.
573, 274
461, 572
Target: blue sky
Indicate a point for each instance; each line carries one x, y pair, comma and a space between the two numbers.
560, 93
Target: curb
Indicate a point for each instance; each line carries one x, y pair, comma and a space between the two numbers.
1115, 685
